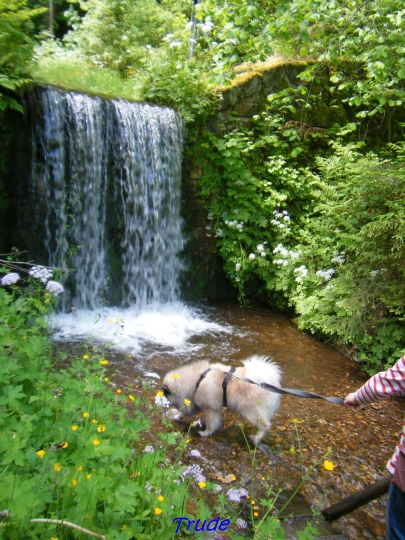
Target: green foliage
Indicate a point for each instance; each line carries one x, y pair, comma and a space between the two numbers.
16, 46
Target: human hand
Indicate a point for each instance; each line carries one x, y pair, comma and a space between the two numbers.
350, 400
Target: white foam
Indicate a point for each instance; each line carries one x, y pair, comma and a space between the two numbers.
169, 325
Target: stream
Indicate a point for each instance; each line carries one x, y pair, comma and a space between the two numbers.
303, 430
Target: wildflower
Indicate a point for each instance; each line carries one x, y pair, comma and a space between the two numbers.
149, 449
94, 421
10, 279
131, 397
237, 495
187, 441
252, 502
195, 453
161, 498
103, 362
124, 528
79, 468
175, 44
41, 453
196, 472
237, 267
218, 488
110, 320
101, 428
85, 356
65, 445
196, 423
241, 523
74, 428
158, 511
187, 402
325, 274
40, 272
129, 355
54, 288
201, 485
106, 378
329, 466
57, 467
148, 486
96, 442
74, 482
255, 514
119, 391
252, 256
176, 376
54, 538
88, 476
161, 400
260, 248
86, 414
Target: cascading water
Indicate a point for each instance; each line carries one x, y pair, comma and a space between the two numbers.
112, 172
111, 175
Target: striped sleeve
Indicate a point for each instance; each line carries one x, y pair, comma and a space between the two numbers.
384, 384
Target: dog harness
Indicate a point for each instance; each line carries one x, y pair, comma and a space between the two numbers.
224, 383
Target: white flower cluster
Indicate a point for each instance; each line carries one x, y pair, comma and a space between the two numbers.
195, 471
40, 272
252, 256
237, 495
235, 224
219, 233
374, 273
237, 267
54, 288
10, 279
241, 523
326, 274
260, 249
195, 453
149, 449
338, 257
285, 253
175, 44
302, 271
162, 401
280, 217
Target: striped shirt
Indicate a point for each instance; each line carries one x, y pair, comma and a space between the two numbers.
380, 386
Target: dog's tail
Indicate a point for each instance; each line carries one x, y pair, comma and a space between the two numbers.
261, 369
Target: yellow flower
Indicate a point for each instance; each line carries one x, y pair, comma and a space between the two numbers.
54, 538
161, 498
123, 528
74, 428
74, 482
255, 514
201, 485
79, 468
103, 362
176, 376
158, 511
88, 476
57, 467
187, 402
219, 477
85, 356
65, 445
96, 442
329, 466
41, 453
131, 397
129, 355
187, 441
252, 502
86, 414
160, 394
95, 421
255, 508
117, 319
119, 391
110, 320
101, 428
106, 378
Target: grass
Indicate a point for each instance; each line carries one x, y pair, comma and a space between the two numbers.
77, 75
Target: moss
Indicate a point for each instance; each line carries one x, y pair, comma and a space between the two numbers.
247, 71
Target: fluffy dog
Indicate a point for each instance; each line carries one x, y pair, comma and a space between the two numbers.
254, 403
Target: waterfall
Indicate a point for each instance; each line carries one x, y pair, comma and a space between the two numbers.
110, 172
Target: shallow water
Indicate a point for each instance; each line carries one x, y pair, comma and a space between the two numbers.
360, 442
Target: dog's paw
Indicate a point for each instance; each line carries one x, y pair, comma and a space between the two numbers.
205, 433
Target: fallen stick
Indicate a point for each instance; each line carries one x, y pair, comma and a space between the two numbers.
354, 501
68, 524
